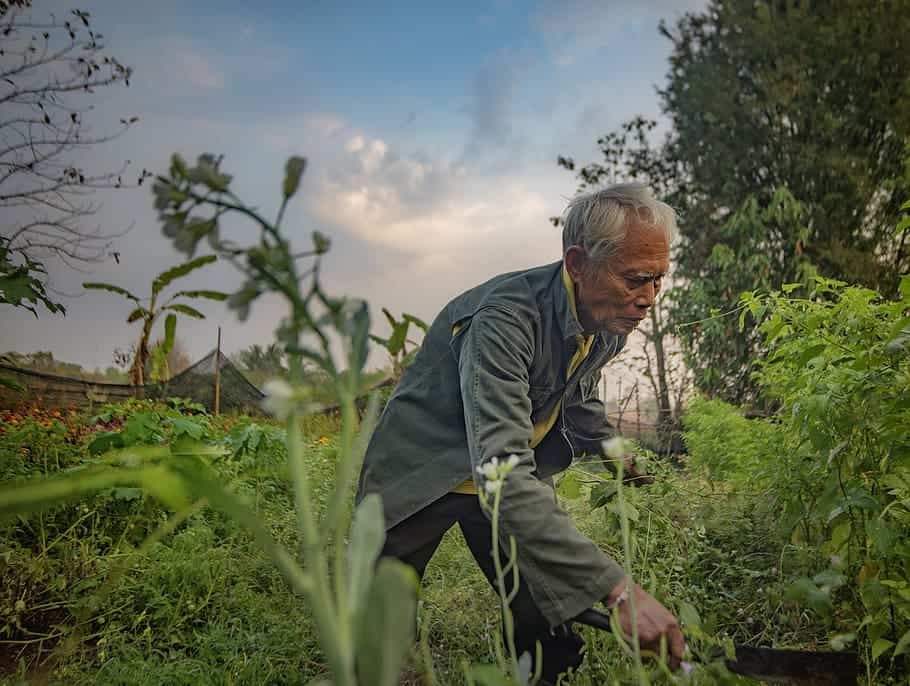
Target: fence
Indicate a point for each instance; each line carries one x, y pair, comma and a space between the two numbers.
198, 383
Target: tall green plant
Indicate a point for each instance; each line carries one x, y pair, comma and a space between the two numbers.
363, 609
149, 314
839, 365
396, 344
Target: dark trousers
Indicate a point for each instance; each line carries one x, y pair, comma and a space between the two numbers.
414, 541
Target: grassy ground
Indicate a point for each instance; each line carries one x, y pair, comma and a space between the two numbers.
87, 598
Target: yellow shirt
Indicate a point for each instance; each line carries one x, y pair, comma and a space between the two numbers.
542, 428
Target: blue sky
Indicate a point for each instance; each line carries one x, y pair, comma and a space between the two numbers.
431, 129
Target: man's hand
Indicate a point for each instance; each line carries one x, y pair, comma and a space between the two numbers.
632, 475
654, 621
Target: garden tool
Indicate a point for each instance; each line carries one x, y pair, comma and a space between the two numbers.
773, 665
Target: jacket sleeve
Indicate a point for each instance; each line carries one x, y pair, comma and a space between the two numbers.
566, 572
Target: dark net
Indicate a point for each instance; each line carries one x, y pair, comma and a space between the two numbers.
198, 384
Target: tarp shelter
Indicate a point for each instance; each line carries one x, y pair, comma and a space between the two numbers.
197, 383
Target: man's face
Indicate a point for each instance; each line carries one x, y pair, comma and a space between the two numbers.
617, 296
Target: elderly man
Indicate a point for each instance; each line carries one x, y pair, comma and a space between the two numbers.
511, 367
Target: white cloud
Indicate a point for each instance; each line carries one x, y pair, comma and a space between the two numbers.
433, 210
197, 70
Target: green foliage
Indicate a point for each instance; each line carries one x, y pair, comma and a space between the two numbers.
842, 383
703, 307
21, 282
805, 105
731, 448
149, 314
396, 344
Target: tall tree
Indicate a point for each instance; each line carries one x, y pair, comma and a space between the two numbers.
809, 96
262, 363
51, 71
788, 152
149, 313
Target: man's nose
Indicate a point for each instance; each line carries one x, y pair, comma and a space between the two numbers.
646, 295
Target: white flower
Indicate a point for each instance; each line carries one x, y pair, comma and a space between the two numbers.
492, 486
512, 462
616, 447
490, 469
279, 398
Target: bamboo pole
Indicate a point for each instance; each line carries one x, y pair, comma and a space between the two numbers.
218, 375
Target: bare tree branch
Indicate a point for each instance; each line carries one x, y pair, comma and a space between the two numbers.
49, 72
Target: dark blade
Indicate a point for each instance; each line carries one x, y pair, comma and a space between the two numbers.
802, 667
773, 665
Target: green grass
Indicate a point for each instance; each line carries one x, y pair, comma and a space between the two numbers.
203, 605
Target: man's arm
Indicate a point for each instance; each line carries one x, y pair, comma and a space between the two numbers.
565, 571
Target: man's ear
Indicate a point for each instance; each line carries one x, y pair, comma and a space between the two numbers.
575, 261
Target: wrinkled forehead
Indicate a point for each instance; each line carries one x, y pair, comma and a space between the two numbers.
645, 251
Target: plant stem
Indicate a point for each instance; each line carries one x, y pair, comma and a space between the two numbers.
507, 619
627, 554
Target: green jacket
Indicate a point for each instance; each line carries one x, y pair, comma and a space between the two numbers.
474, 395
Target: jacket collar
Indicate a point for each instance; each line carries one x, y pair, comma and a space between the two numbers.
567, 314
564, 301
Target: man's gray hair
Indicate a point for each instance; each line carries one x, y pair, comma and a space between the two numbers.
597, 221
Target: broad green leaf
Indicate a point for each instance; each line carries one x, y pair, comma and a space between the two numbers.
688, 615
903, 645
367, 536
111, 288
880, 646
569, 487
602, 493
358, 329
809, 353
389, 318
166, 486
416, 321
37, 494
906, 205
103, 442
902, 225
188, 234
184, 426
185, 309
165, 277
170, 330
137, 314
630, 511
397, 339
900, 341
386, 630
211, 295
293, 170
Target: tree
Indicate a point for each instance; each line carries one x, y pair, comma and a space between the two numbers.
50, 71
804, 96
261, 363
786, 157
149, 314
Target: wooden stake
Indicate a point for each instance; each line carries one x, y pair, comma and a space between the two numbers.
218, 375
